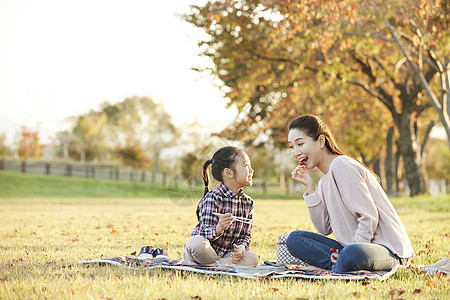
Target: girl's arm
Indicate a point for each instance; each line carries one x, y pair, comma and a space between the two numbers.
208, 221
246, 236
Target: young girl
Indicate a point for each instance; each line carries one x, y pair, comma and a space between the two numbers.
219, 238
348, 201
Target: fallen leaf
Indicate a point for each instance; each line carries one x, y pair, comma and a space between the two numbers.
356, 294
133, 253
396, 292
118, 277
417, 291
440, 274
431, 283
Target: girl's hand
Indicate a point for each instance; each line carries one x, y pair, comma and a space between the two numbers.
301, 174
237, 254
334, 256
224, 222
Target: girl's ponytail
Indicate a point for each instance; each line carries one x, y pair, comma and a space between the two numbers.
205, 176
206, 181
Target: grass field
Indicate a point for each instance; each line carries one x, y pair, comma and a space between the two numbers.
42, 239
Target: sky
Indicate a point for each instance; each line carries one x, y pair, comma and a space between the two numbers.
63, 58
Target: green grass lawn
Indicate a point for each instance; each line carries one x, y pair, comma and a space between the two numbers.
42, 239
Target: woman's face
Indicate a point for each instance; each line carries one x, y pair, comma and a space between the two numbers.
304, 148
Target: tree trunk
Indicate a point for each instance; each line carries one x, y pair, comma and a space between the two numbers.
390, 164
410, 152
156, 155
377, 169
83, 151
397, 166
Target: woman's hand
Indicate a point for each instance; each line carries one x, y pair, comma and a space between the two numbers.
334, 256
224, 222
237, 254
301, 174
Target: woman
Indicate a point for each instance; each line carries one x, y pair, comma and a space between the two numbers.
348, 201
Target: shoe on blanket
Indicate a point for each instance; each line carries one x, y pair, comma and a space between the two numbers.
158, 251
150, 252
146, 252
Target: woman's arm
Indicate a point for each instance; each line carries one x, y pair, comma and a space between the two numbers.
351, 178
318, 213
316, 207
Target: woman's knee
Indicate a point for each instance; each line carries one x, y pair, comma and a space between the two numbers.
294, 238
349, 257
355, 257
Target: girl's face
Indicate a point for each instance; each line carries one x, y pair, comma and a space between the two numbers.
243, 171
304, 148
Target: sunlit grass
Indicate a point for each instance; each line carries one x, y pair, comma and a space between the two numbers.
43, 239
18, 185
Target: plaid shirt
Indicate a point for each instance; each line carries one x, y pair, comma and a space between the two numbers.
223, 200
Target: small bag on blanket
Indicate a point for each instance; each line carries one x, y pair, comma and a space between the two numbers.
283, 255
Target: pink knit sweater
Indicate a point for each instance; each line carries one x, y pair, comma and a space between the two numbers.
350, 203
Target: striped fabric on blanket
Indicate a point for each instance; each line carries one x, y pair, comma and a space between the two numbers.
251, 272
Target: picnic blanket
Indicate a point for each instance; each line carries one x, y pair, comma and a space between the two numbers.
268, 270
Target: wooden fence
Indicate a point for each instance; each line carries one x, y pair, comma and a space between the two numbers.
114, 172
82, 170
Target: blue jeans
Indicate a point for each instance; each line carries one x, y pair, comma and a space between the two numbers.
314, 249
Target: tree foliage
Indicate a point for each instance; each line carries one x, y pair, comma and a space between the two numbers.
29, 145
134, 130
132, 156
4, 149
337, 59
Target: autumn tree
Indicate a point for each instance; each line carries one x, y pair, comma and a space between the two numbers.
132, 156
4, 149
87, 130
139, 120
29, 145
196, 147
278, 59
